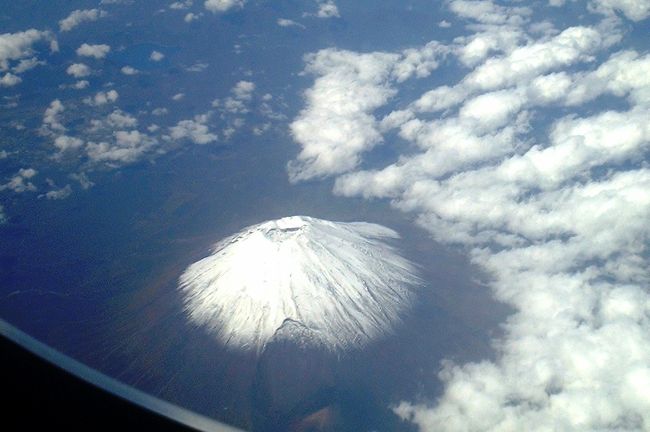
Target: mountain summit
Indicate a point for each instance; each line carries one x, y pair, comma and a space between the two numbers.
342, 281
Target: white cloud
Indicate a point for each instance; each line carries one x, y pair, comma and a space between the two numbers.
20, 182
474, 48
65, 143
52, 117
178, 96
19, 46
624, 73
419, 62
285, 22
111, 139
197, 67
181, 5
160, 111
78, 70
327, 9
189, 17
575, 44
238, 103
338, 125
572, 45
125, 147
102, 98
80, 16
487, 12
27, 64
82, 179
557, 215
195, 130
120, 120
492, 110
219, 6
636, 10
58, 193
129, 70
80, 85
97, 51
9, 80
243, 90
156, 56
231, 105
3, 215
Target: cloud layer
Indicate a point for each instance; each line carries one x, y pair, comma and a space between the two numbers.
523, 163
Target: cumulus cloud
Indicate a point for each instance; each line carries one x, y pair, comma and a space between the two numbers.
80, 85
129, 70
65, 143
102, 98
9, 80
78, 70
181, 5
488, 12
57, 193
27, 64
119, 119
156, 56
242, 100
474, 48
125, 147
197, 67
190, 16
243, 90
285, 22
574, 44
160, 111
52, 118
20, 182
80, 16
195, 130
556, 214
220, 6
327, 9
82, 179
419, 62
110, 139
632, 9
98, 51
338, 125
19, 46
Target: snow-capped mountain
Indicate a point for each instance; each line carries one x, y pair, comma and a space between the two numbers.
343, 281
